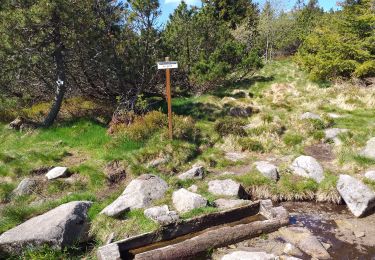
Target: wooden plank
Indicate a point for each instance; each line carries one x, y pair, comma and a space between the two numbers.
220, 237
121, 248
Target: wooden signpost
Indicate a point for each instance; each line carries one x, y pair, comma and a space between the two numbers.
167, 65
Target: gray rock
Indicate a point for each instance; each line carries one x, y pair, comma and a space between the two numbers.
230, 203
162, 215
270, 212
25, 187
334, 115
333, 133
369, 150
358, 197
184, 200
57, 172
226, 187
309, 115
307, 166
140, 193
246, 255
59, 227
158, 161
267, 170
304, 240
370, 175
286, 257
196, 172
290, 249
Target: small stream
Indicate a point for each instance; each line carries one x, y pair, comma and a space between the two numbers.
320, 219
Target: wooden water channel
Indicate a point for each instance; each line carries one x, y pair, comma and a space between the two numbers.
190, 238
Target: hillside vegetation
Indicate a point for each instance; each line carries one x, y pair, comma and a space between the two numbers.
205, 133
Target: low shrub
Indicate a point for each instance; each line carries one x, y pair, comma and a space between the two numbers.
251, 144
229, 126
292, 139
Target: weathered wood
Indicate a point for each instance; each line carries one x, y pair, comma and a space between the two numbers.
212, 239
120, 248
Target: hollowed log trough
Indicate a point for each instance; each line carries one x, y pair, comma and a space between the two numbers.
193, 237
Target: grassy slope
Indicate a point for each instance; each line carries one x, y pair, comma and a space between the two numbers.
280, 91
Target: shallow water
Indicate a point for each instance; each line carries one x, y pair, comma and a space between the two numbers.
319, 219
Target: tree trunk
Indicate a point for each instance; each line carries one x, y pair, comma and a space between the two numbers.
60, 74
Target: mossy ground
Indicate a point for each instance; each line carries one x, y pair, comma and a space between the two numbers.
280, 92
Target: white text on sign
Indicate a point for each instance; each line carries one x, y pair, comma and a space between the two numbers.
167, 65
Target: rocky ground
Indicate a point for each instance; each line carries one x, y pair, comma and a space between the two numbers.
279, 137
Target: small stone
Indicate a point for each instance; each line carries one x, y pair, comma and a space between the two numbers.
369, 150
57, 172
309, 115
196, 172
162, 215
158, 161
359, 234
332, 133
193, 188
334, 115
25, 187
370, 175
226, 187
184, 200
305, 241
267, 169
307, 166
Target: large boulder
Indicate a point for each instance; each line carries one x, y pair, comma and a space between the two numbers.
226, 187
196, 172
358, 197
63, 226
57, 172
246, 255
25, 187
267, 170
140, 193
369, 150
162, 215
184, 200
307, 166
303, 239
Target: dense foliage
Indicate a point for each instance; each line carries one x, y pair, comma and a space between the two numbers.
343, 44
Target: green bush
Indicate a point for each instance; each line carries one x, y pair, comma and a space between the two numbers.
292, 139
251, 144
229, 126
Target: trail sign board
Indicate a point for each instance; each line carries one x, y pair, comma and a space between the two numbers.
167, 65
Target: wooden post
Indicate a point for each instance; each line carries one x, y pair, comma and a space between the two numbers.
169, 100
